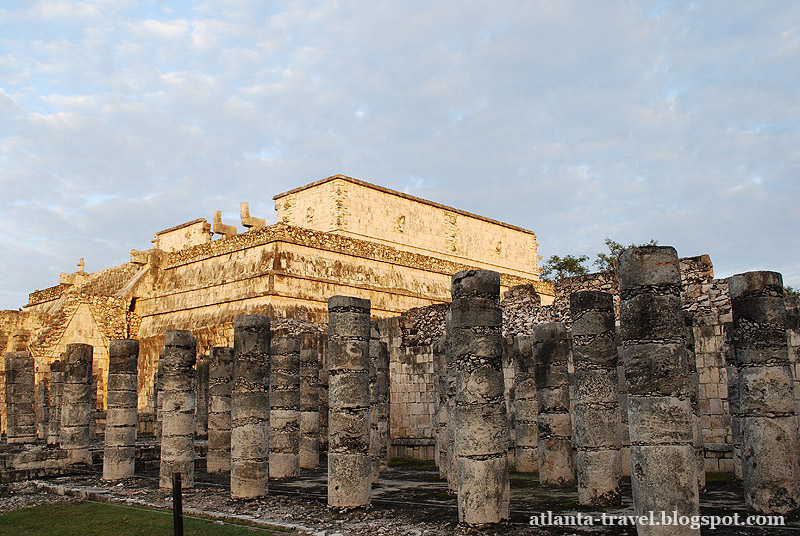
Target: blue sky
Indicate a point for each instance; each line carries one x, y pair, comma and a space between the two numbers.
579, 120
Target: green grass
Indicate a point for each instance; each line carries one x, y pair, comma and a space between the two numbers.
100, 519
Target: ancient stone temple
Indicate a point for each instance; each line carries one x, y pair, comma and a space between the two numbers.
328, 240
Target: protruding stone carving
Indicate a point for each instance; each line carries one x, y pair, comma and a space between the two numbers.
221, 228
349, 467
20, 398
220, 380
309, 402
597, 418
284, 399
663, 464
770, 450
120, 436
248, 220
526, 453
178, 407
550, 355
250, 407
76, 413
481, 423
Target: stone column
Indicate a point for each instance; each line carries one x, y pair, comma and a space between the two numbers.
792, 304
349, 466
284, 417
526, 454
42, 409
20, 398
694, 397
309, 402
121, 418
550, 355
76, 411
481, 423
55, 401
201, 390
770, 450
250, 407
158, 389
178, 407
322, 390
441, 416
664, 469
381, 362
597, 418
220, 376
374, 435
450, 386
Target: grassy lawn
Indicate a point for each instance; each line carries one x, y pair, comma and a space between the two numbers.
90, 519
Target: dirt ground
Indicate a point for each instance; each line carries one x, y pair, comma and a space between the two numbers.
410, 500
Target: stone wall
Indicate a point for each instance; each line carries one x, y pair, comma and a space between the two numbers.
348, 206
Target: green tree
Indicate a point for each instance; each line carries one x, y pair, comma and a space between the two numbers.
556, 267
791, 291
608, 261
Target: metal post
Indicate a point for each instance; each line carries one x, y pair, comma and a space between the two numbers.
177, 505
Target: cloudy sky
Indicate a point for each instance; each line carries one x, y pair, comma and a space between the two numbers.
580, 120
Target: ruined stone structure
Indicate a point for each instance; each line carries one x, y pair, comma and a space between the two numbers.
20, 398
120, 432
178, 427
220, 380
597, 418
550, 356
309, 401
284, 399
349, 464
664, 468
55, 401
770, 448
201, 397
479, 418
76, 408
250, 408
526, 453
327, 241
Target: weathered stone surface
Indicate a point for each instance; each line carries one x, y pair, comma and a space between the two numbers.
201, 396
550, 353
250, 407
55, 401
661, 426
526, 454
76, 413
766, 404
479, 414
349, 462
284, 424
20, 391
220, 381
178, 409
121, 417
309, 402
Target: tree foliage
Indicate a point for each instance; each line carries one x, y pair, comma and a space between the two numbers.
791, 291
556, 267
608, 261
